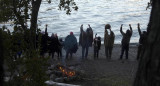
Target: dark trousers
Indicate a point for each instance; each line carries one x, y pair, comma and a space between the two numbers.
60, 52
108, 52
125, 48
96, 52
85, 51
67, 53
140, 51
52, 53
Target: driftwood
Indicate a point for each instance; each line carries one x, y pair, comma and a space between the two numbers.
51, 83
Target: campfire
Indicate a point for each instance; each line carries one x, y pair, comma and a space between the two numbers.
61, 74
64, 74
67, 72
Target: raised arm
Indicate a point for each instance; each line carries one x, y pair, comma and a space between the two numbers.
46, 29
105, 35
131, 28
139, 30
121, 29
95, 35
81, 28
80, 36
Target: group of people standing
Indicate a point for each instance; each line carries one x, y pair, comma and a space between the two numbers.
86, 40
54, 45
109, 41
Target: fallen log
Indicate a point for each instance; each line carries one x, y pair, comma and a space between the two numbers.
52, 83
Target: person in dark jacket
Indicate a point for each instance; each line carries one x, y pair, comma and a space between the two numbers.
70, 45
44, 42
97, 46
142, 41
54, 45
108, 41
89, 32
85, 40
125, 41
60, 47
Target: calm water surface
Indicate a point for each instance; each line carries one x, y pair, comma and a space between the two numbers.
97, 13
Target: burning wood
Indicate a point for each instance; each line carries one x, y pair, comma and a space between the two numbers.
60, 73
67, 72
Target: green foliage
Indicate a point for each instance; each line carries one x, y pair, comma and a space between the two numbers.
29, 70
14, 10
1, 59
19, 11
67, 5
5, 10
36, 67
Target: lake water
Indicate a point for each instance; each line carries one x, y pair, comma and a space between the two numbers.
97, 13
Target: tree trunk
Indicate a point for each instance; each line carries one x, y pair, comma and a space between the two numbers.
1, 60
35, 9
148, 73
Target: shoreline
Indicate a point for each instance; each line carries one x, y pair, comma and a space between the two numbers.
103, 72
130, 45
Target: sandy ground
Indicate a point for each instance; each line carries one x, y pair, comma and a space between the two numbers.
102, 72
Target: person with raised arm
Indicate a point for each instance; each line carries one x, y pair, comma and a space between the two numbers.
44, 40
85, 40
125, 41
108, 41
142, 41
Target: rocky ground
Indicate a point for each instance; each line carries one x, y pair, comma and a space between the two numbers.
101, 72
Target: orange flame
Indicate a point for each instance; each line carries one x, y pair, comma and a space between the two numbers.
69, 73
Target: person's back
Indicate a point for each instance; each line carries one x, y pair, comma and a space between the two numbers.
82, 37
99, 43
126, 38
142, 39
109, 38
125, 41
44, 41
106, 37
108, 41
70, 43
54, 44
89, 36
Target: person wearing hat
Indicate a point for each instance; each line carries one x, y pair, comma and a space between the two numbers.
70, 45
108, 41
